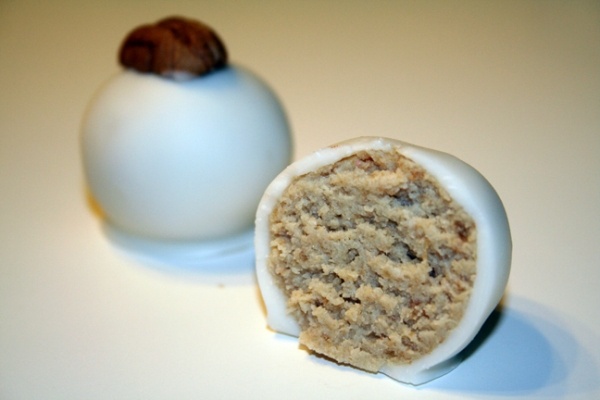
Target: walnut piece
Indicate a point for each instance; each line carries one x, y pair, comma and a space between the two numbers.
174, 47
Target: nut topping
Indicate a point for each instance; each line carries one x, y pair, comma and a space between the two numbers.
175, 47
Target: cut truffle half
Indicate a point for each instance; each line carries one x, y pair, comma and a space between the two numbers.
382, 255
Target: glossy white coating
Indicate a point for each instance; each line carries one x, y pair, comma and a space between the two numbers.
468, 187
183, 160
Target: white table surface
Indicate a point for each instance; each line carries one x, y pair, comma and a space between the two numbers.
512, 87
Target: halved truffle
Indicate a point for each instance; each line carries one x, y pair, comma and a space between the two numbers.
382, 255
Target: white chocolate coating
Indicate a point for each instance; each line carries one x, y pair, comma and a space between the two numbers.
468, 188
183, 160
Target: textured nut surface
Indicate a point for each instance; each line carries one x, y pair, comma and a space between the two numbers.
175, 47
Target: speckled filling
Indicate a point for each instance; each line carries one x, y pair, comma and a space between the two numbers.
376, 260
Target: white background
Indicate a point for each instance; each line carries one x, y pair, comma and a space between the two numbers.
511, 87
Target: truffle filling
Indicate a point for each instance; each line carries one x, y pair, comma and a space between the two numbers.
376, 260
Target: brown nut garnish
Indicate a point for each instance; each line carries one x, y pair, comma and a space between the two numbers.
174, 47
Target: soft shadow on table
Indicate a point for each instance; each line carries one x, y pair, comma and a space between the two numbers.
522, 349
230, 266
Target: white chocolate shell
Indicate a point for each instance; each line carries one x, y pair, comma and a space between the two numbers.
183, 161
467, 187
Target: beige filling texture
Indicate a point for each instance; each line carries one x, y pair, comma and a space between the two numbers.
375, 258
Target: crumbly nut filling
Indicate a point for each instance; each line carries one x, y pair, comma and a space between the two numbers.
376, 260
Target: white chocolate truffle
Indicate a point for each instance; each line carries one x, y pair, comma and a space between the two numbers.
183, 160
382, 255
